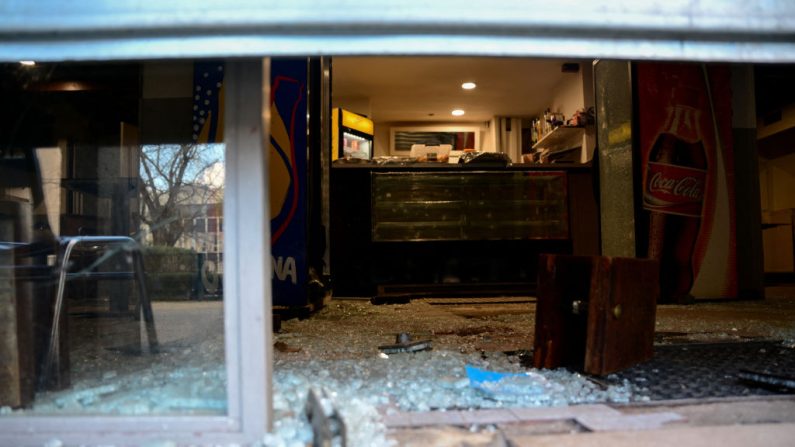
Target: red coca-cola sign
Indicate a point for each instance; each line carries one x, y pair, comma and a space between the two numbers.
674, 189
684, 123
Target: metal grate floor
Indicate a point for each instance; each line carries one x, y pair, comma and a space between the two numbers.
705, 370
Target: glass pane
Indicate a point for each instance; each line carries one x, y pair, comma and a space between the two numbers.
111, 198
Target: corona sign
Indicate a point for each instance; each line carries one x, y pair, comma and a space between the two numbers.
288, 182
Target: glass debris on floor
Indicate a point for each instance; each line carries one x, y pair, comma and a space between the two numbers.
364, 388
336, 350
177, 380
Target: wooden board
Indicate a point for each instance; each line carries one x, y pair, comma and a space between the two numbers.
595, 314
16, 367
621, 314
560, 333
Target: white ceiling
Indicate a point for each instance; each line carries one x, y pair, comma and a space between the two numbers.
412, 88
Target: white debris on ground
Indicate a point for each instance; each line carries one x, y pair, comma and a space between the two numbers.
363, 389
186, 377
171, 382
716, 321
336, 350
159, 390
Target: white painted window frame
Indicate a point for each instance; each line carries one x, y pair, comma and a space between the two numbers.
247, 303
58, 30
704, 30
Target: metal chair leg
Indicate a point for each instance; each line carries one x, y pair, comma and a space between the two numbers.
52, 361
146, 304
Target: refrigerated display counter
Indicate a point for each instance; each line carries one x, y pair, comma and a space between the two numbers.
351, 135
445, 228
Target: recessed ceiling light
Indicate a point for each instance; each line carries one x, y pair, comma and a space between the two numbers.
28, 63
468, 85
457, 112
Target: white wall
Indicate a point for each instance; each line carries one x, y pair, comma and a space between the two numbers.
589, 146
359, 105
567, 96
572, 93
381, 142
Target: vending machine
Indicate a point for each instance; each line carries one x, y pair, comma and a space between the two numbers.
351, 135
297, 242
685, 146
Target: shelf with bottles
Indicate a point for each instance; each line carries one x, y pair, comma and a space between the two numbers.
560, 139
554, 133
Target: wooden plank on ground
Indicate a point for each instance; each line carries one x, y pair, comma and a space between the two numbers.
16, 367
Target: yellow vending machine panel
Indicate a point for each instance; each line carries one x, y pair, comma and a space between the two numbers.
351, 135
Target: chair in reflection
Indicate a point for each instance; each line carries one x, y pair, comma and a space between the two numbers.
35, 266
100, 249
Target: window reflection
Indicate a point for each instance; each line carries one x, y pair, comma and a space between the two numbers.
111, 243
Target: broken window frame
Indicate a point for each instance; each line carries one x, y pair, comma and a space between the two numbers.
247, 316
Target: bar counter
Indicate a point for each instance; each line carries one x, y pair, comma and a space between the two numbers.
440, 228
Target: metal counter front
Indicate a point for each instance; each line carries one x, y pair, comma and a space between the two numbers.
453, 227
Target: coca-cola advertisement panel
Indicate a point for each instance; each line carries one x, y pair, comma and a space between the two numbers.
687, 221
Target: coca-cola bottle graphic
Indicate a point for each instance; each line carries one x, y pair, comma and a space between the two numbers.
674, 194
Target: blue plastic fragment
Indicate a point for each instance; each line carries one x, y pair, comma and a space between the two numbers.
508, 386
478, 376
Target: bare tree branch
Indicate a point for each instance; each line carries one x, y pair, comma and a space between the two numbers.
177, 188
